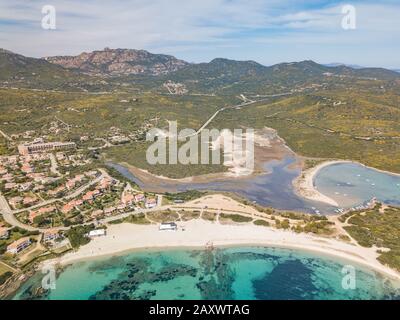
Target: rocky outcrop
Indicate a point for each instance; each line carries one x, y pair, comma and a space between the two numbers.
114, 62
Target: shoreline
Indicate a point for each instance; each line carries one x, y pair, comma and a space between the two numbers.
125, 238
304, 184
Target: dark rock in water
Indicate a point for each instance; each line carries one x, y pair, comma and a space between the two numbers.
127, 285
146, 295
34, 292
290, 280
252, 256
218, 283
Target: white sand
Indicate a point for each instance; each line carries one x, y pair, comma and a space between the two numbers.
218, 202
198, 233
304, 185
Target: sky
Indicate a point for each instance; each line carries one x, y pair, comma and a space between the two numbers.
266, 31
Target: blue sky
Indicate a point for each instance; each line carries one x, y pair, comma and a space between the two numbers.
267, 31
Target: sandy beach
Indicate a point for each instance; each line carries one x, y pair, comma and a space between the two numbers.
197, 233
304, 184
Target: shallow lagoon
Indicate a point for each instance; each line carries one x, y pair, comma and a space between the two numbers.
352, 184
272, 189
349, 184
229, 273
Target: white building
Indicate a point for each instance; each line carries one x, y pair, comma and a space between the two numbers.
19, 245
151, 203
170, 226
97, 233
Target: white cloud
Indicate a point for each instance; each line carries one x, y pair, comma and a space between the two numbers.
188, 26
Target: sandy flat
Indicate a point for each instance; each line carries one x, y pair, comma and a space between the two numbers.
304, 184
197, 233
219, 202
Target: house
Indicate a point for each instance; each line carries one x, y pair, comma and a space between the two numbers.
67, 208
27, 168
4, 233
90, 195
97, 233
70, 184
151, 203
50, 235
19, 245
56, 191
13, 159
25, 186
127, 198
97, 214
139, 197
121, 207
60, 156
169, 226
40, 212
10, 185
110, 210
7, 177
14, 201
92, 173
105, 184
38, 188
29, 200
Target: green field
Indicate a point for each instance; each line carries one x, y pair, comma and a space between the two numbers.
313, 126
345, 120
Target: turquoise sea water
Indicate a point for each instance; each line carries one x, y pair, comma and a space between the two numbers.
229, 273
352, 184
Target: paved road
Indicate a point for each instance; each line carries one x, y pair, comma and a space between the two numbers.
6, 136
238, 106
9, 216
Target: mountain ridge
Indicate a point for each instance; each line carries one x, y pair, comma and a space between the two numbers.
120, 62
109, 68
